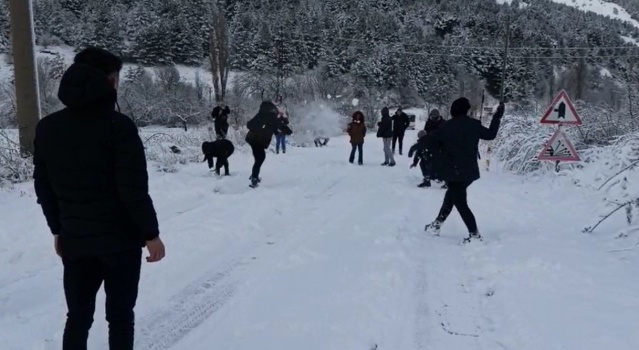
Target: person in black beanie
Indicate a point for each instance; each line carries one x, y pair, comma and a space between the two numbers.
454, 147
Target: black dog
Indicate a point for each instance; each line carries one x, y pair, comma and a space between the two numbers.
220, 149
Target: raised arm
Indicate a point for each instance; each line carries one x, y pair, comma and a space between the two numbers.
490, 133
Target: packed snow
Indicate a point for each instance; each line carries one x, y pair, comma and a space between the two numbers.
328, 255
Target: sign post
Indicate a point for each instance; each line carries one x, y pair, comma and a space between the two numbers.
559, 148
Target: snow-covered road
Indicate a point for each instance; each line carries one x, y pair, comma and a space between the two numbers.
328, 255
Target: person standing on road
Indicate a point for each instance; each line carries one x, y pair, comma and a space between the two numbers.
90, 178
261, 129
454, 147
385, 132
401, 122
357, 131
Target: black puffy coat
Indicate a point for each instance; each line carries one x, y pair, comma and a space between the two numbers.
454, 146
385, 126
433, 124
219, 148
90, 170
401, 122
264, 125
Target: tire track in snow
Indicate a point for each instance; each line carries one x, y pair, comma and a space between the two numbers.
187, 309
197, 302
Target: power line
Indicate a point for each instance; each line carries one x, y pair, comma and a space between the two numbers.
473, 55
457, 47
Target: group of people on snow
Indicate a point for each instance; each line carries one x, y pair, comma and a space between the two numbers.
446, 152
91, 181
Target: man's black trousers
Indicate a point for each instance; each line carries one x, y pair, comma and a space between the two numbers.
222, 162
82, 279
456, 197
399, 138
259, 154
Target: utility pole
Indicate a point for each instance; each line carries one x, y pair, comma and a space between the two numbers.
24, 67
505, 62
280, 63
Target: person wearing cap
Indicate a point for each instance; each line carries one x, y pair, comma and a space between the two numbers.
454, 147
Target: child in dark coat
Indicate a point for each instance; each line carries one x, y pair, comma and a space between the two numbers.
221, 149
422, 157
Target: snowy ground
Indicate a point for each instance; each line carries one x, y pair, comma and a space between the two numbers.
326, 255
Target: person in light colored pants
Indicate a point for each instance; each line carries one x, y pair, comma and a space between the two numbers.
388, 152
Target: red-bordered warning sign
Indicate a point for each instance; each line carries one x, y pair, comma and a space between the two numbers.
561, 111
559, 148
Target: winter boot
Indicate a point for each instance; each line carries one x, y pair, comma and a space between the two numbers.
392, 164
385, 164
434, 228
473, 236
254, 182
426, 183
360, 163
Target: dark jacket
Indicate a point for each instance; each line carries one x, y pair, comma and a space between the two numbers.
421, 154
219, 148
454, 146
357, 132
282, 121
222, 122
385, 126
433, 124
401, 122
264, 125
90, 170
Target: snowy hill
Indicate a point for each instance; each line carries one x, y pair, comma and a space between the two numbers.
326, 255
604, 8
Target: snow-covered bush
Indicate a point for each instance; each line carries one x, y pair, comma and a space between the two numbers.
169, 148
159, 144
164, 98
14, 168
614, 170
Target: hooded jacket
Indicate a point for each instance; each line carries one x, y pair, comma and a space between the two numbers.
90, 170
264, 125
385, 126
454, 146
357, 129
434, 121
401, 122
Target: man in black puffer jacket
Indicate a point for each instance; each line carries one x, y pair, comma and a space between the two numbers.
454, 149
92, 184
401, 122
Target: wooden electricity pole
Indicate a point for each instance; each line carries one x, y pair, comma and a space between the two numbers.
505, 60
24, 67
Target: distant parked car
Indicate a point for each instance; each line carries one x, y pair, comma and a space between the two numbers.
411, 118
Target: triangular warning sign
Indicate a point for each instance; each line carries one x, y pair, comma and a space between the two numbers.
559, 148
561, 111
